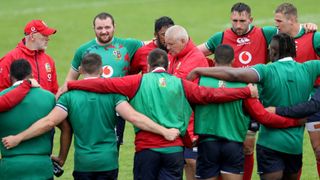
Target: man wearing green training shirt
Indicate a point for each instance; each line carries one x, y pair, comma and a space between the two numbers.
31, 159
116, 54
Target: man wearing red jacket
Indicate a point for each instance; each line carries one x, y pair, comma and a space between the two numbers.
183, 57
32, 48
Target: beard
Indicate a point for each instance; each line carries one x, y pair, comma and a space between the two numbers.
161, 45
104, 40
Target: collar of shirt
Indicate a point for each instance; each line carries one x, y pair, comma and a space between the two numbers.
159, 69
285, 59
17, 83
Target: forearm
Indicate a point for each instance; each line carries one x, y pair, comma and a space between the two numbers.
257, 112
38, 128
203, 95
126, 86
300, 110
14, 97
65, 140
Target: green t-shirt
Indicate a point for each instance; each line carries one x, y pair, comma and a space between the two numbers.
93, 119
285, 83
225, 120
35, 152
116, 55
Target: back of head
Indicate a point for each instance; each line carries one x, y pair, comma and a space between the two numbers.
287, 9
103, 16
91, 63
177, 32
20, 69
163, 21
241, 7
158, 58
286, 44
224, 54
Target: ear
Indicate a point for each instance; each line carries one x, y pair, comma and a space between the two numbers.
148, 68
100, 71
81, 70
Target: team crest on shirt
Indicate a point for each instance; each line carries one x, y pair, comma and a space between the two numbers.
245, 57
221, 83
107, 71
48, 68
242, 41
162, 82
117, 54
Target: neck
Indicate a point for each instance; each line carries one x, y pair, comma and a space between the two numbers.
223, 65
295, 30
30, 45
90, 76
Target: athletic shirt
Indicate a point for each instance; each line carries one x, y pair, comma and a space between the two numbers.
285, 83
33, 155
308, 47
93, 119
250, 48
224, 120
115, 56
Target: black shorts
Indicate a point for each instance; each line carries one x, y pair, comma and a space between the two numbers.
150, 164
106, 175
272, 161
190, 153
219, 156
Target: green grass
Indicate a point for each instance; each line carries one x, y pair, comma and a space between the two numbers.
73, 19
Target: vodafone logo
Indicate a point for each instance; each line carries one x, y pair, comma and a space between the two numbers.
243, 40
107, 71
245, 57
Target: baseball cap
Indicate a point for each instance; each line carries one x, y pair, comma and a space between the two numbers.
40, 26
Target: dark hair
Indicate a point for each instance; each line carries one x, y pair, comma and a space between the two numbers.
163, 21
241, 7
91, 63
287, 46
287, 9
20, 69
224, 54
158, 58
103, 15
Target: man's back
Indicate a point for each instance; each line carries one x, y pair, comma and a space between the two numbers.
285, 83
93, 119
30, 158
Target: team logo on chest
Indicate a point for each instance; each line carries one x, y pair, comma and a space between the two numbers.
245, 57
117, 54
242, 41
107, 71
221, 83
47, 67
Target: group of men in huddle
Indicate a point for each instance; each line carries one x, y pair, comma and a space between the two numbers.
183, 110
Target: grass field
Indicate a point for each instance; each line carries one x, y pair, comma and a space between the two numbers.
73, 19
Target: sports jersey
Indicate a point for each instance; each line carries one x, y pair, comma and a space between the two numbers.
307, 47
131, 85
31, 158
249, 49
42, 65
115, 56
284, 83
139, 61
230, 120
93, 119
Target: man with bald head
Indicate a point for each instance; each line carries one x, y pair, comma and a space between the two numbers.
183, 57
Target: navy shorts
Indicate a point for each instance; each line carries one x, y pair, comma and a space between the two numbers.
270, 161
190, 153
121, 124
99, 175
153, 165
219, 156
